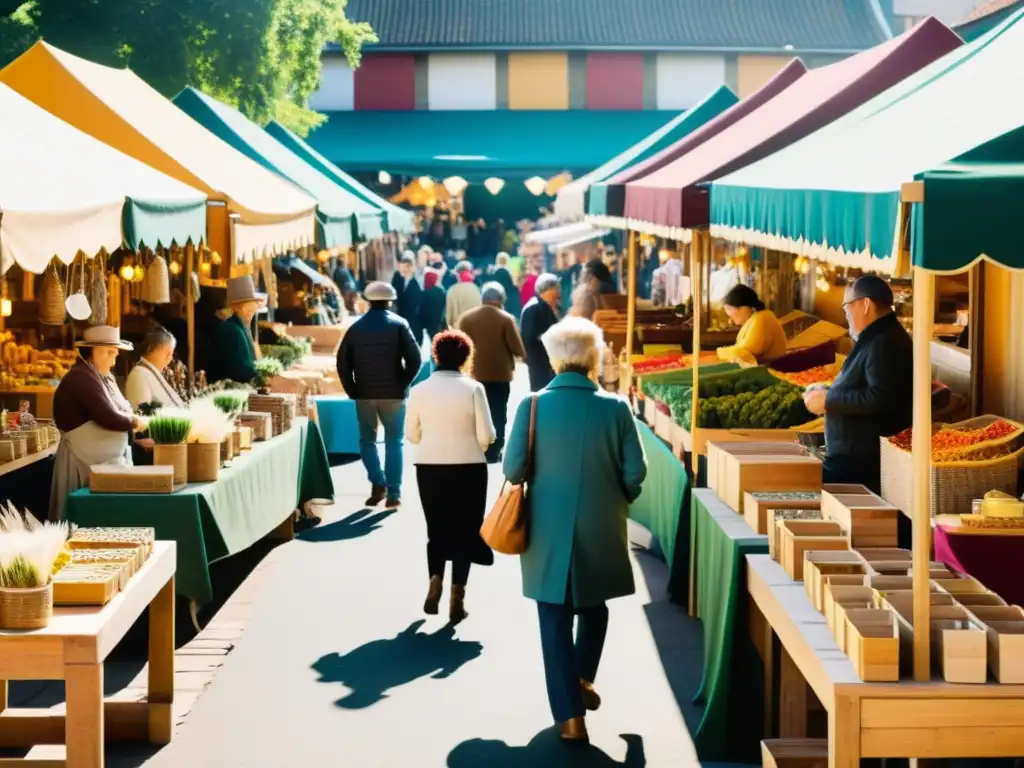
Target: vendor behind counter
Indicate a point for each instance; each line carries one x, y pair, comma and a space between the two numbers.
234, 353
761, 338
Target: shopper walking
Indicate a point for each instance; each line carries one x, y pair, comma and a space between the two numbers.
377, 361
539, 314
587, 466
410, 294
497, 344
448, 418
503, 275
463, 296
432, 305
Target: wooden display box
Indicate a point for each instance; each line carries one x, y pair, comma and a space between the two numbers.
718, 451
844, 595
959, 586
817, 565
873, 644
261, 423
114, 538
1006, 650
869, 520
739, 474
776, 516
244, 437
971, 600
794, 753
757, 504
88, 584
801, 536
885, 554
959, 646
109, 478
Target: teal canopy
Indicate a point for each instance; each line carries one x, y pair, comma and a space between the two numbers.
340, 214
508, 143
677, 129
957, 126
397, 219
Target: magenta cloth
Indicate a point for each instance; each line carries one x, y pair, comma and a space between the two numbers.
526, 290
992, 560
673, 196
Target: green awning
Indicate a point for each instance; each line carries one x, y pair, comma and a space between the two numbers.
397, 219
156, 222
509, 144
340, 214
957, 125
682, 126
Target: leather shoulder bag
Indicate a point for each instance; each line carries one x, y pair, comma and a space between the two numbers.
506, 527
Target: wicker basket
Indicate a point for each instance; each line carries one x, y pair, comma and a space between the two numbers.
51, 299
227, 449
26, 608
174, 455
203, 462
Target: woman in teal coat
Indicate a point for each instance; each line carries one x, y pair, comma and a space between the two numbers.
588, 466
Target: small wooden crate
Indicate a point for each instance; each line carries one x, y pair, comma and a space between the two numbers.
800, 536
902, 602
819, 564
7, 451
776, 516
873, 644
261, 423
794, 753
244, 437
110, 478
869, 520
888, 554
741, 473
959, 646
756, 505
890, 568
844, 595
959, 586
839, 610
114, 538
1006, 650
971, 600
718, 451
35, 439
88, 584
890, 583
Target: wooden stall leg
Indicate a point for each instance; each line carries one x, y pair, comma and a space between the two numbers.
793, 699
769, 679
844, 732
84, 725
3, 695
161, 665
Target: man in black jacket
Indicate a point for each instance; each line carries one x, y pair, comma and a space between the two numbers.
873, 395
410, 294
539, 314
377, 362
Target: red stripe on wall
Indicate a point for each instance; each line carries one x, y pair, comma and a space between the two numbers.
386, 81
615, 81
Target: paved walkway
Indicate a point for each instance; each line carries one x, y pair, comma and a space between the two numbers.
338, 666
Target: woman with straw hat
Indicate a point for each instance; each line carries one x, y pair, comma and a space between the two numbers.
235, 351
94, 418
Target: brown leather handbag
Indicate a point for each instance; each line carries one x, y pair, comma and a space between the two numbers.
506, 528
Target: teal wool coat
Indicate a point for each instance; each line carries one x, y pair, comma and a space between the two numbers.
588, 466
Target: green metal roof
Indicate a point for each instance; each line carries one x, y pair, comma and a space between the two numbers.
957, 125
338, 210
721, 25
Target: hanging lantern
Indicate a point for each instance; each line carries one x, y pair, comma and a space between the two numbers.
215, 258
494, 185
536, 185
127, 272
204, 269
455, 185
138, 273
384, 178
5, 307
426, 182
174, 268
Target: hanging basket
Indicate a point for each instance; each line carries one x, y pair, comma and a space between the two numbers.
156, 286
26, 608
51, 299
173, 455
203, 462
97, 293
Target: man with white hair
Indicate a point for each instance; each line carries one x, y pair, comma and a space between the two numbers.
539, 314
463, 296
496, 345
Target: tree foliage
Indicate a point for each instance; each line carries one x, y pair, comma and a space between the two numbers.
262, 56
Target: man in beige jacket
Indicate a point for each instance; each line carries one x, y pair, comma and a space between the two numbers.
496, 344
463, 296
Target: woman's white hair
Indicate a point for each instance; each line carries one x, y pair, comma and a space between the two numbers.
573, 343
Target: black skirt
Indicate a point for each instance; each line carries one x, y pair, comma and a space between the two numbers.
454, 500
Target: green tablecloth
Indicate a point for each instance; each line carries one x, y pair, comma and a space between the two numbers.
211, 521
731, 687
663, 509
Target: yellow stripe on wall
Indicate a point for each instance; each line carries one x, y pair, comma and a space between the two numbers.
755, 71
538, 81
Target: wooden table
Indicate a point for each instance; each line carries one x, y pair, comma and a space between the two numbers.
13, 466
875, 720
73, 648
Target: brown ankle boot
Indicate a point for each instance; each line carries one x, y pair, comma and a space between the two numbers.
456, 610
591, 701
433, 600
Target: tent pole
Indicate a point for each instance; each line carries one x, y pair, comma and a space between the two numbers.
921, 449
630, 304
190, 311
697, 242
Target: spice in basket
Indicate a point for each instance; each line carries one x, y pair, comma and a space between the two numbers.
949, 444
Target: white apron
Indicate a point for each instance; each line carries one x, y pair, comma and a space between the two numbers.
83, 447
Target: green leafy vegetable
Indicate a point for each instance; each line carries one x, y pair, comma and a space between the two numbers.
166, 429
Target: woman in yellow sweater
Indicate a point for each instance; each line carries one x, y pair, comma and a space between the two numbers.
761, 338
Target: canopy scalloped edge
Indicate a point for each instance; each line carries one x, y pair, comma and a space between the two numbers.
635, 225
837, 257
254, 241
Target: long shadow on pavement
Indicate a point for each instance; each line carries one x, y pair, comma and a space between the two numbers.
545, 750
356, 525
372, 670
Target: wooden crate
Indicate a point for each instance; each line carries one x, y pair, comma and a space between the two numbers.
890, 583
855, 595
958, 586
801, 536
885, 554
1006, 650
109, 478
971, 600
873, 644
902, 601
88, 584
718, 450
959, 646
839, 610
756, 505
261, 423
794, 753
244, 437
776, 516
739, 474
819, 564
869, 520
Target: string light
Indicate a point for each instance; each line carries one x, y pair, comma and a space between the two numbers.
174, 268
127, 272
455, 185
536, 185
494, 185
384, 178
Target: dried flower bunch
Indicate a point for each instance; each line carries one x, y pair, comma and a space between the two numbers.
28, 549
210, 424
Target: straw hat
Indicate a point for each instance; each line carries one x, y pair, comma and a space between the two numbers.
104, 336
242, 290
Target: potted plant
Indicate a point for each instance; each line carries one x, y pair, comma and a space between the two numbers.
29, 551
232, 402
266, 369
210, 427
169, 429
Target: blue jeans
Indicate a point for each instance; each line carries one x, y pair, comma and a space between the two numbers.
390, 413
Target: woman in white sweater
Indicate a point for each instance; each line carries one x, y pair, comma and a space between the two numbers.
146, 382
448, 417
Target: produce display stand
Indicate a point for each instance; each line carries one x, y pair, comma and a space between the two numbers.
73, 648
253, 497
